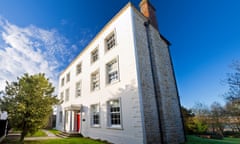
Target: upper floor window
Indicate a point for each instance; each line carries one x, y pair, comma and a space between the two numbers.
67, 95
95, 115
95, 81
79, 68
114, 113
68, 77
112, 71
61, 96
62, 82
94, 55
78, 89
110, 41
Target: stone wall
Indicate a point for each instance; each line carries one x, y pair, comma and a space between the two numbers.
160, 100
149, 107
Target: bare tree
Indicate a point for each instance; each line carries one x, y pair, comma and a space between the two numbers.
217, 118
233, 96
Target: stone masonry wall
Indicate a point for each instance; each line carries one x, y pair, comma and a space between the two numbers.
151, 122
166, 107
171, 120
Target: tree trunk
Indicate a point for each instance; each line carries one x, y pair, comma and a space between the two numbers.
24, 133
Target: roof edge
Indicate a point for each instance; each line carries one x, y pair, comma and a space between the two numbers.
129, 4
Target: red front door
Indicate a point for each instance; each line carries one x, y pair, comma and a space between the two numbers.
78, 122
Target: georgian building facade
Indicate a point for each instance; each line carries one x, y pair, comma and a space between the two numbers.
121, 87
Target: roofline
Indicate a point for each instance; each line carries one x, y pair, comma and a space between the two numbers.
129, 4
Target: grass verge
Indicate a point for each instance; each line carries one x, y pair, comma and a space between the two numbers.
197, 140
54, 131
39, 133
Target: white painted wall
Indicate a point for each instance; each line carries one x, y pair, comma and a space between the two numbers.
126, 89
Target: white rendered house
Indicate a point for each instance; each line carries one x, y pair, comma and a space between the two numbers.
121, 87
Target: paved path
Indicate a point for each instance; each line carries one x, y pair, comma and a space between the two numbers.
49, 136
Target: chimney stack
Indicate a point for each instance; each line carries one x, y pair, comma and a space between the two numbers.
148, 11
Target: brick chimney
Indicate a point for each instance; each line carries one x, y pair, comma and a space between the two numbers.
148, 11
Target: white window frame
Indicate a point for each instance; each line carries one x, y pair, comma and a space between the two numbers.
78, 89
95, 80
112, 71
67, 95
94, 55
111, 104
61, 95
68, 77
95, 113
110, 40
78, 68
60, 116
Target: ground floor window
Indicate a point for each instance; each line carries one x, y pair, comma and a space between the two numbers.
60, 116
95, 115
114, 113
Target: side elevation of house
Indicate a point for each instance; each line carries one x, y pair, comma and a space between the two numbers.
121, 87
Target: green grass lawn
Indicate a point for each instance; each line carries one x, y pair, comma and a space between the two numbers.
190, 140
197, 140
54, 131
39, 133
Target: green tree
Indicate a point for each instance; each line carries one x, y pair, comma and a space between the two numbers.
188, 116
29, 103
200, 121
197, 125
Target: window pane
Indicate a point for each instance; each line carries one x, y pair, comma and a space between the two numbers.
78, 89
68, 77
61, 96
95, 81
94, 55
110, 42
95, 114
67, 95
112, 71
79, 68
115, 117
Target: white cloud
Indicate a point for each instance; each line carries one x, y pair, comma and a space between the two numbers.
30, 50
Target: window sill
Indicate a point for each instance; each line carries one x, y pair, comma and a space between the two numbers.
112, 83
94, 90
95, 126
115, 127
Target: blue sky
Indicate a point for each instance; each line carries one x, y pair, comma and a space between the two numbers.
46, 35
